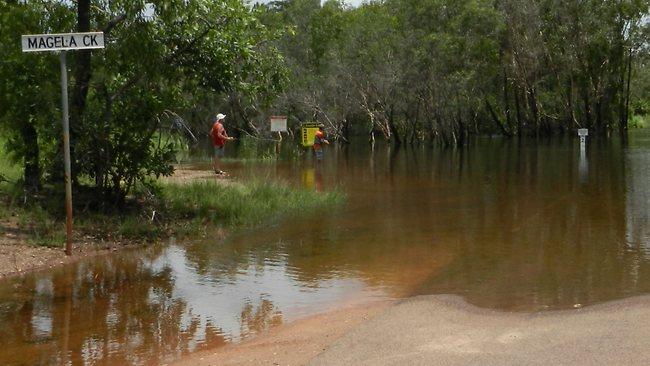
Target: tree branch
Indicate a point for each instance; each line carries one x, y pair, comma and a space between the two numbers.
113, 23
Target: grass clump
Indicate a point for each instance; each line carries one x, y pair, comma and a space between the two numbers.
241, 204
640, 121
9, 171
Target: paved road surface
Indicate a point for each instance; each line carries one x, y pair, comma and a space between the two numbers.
444, 330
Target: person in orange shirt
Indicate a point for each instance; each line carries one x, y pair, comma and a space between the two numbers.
319, 141
219, 138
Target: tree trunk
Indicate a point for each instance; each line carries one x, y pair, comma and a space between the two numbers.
533, 107
393, 128
345, 130
462, 130
506, 100
496, 119
83, 73
431, 131
572, 115
599, 114
247, 124
518, 108
32, 166
585, 98
626, 112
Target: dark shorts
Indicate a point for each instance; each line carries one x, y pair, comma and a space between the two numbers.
318, 154
218, 151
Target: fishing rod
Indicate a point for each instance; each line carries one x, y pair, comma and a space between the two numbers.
179, 123
255, 137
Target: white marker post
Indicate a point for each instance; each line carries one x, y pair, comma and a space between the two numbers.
279, 125
583, 166
62, 43
583, 133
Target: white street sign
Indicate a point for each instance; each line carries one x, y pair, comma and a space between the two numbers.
62, 42
278, 124
583, 132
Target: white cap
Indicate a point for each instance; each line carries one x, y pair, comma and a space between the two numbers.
220, 116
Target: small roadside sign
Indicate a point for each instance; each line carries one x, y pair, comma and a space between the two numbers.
583, 133
62, 41
278, 124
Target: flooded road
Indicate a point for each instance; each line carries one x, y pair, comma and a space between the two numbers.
510, 225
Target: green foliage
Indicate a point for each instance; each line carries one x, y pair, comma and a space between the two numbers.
640, 121
30, 92
445, 69
9, 169
641, 107
137, 228
153, 66
160, 56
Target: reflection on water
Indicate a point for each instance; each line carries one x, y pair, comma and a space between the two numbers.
506, 224
584, 165
148, 306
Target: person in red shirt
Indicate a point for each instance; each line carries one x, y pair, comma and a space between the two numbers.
319, 141
219, 138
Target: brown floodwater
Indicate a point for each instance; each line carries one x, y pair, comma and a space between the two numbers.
512, 225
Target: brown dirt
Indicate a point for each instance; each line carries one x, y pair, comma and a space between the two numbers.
295, 343
19, 256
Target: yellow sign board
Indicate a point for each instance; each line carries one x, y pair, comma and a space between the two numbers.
308, 133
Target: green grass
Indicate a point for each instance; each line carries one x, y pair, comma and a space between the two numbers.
40, 226
640, 121
10, 173
8, 169
186, 210
246, 204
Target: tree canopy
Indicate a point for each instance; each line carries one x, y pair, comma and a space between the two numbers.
412, 71
421, 70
